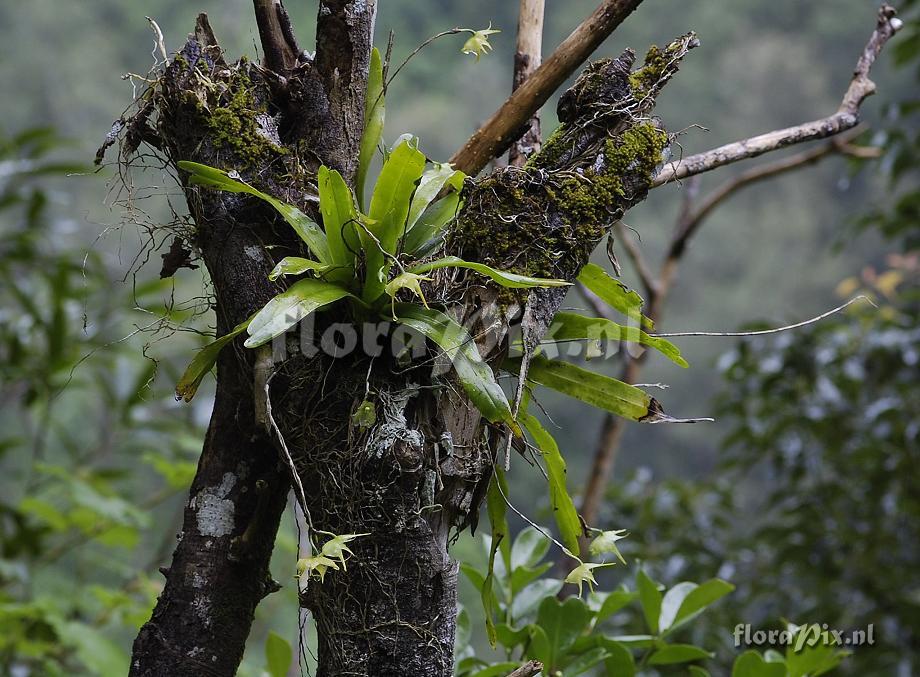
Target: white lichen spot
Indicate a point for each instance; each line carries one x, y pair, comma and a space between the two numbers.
253, 251
203, 610
215, 511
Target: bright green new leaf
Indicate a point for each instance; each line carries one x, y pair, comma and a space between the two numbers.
475, 375
203, 362
598, 390
374, 115
563, 507
337, 205
607, 543
365, 415
428, 229
290, 307
614, 293
504, 278
478, 43
278, 655
431, 183
303, 225
650, 598
295, 265
393, 194
671, 602
388, 213
572, 326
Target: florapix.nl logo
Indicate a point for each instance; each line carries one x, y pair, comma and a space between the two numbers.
801, 636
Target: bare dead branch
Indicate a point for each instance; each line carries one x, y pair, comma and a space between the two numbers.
846, 117
500, 130
279, 47
691, 221
527, 59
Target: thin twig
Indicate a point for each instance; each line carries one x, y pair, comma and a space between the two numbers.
846, 117
776, 330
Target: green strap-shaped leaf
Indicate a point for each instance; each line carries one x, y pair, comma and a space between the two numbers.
303, 225
203, 363
428, 229
290, 307
393, 192
501, 538
572, 326
614, 293
475, 375
595, 389
504, 278
374, 115
429, 186
563, 507
388, 212
337, 206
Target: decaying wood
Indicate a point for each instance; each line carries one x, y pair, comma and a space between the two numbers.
507, 123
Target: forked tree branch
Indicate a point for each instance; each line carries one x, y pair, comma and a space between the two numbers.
846, 117
506, 124
527, 59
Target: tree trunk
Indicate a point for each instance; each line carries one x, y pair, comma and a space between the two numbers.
416, 475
